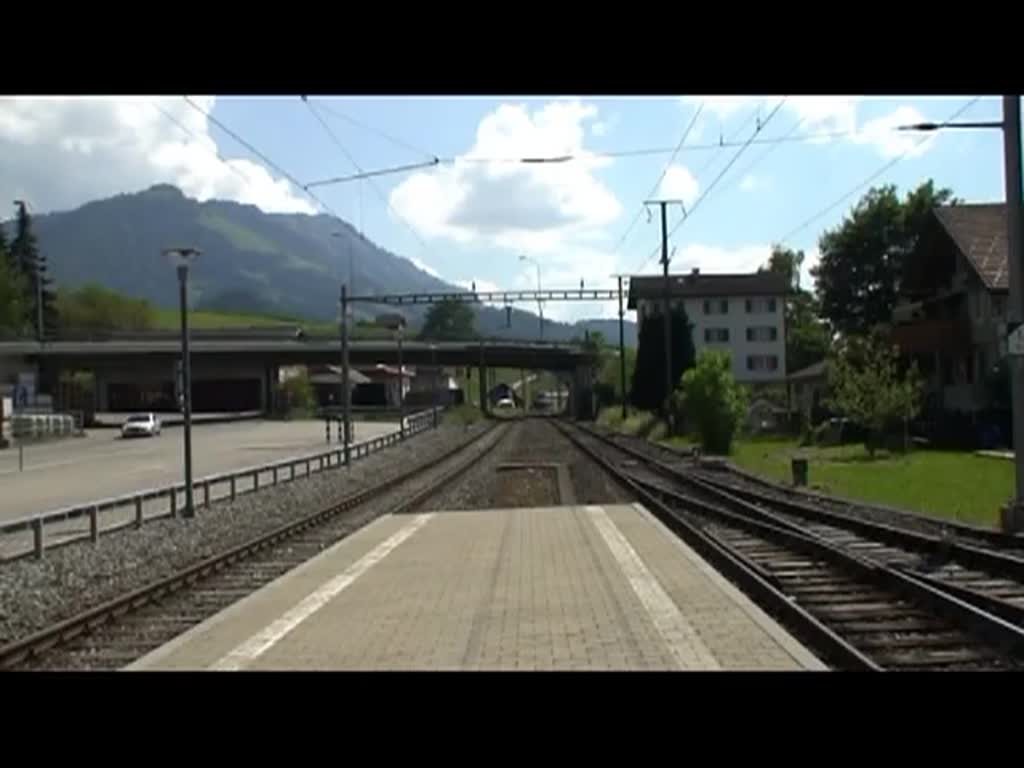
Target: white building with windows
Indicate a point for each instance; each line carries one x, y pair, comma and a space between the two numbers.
742, 314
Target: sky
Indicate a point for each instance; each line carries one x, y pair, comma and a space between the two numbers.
481, 215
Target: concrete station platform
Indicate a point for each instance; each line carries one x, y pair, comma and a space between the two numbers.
560, 588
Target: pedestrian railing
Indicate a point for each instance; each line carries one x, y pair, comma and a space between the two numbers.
168, 501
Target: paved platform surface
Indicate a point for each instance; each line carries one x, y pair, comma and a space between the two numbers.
101, 465
561, 588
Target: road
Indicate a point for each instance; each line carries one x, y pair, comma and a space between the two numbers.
102, 465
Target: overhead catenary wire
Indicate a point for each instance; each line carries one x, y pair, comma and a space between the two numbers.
399, 142
861, 184
591, 154
262, 157
199, 141
703, 196
661, 177
337, 142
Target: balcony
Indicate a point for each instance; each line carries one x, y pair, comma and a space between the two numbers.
925, 337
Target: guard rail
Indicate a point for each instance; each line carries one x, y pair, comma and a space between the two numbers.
206, 490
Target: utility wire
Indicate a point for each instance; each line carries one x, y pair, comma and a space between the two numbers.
875, 175
380, 194
718, 178
262, 157
654, 189
405, 145
806, 137
198, 139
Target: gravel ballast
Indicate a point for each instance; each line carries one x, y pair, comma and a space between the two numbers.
72, 579
532, 441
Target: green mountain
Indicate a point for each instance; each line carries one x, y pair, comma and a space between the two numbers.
273, 264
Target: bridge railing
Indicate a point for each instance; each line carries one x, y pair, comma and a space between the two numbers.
34, 534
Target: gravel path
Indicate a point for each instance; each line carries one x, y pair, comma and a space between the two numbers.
36, 593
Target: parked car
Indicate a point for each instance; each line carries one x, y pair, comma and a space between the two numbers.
141, 424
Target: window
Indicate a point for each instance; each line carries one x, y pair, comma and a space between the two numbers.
999, 307
760, 306
720, 307
713, 335
762, 333
762, 362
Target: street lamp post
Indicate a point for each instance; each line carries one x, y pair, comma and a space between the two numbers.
436, 374
1011, 127
346, 409
181, 257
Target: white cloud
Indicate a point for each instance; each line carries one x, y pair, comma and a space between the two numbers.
748, 182
825, 114
604, 127
59, 153
679, 184
715, 259
481, 286
880, 132
510, 204
425, 267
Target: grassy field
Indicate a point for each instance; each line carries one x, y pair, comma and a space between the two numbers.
958, 485
953, 484
170, 320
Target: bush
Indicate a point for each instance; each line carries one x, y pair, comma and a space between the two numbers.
713, 401
463, 415
296, 394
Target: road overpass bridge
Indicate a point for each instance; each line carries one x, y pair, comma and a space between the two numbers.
243, 366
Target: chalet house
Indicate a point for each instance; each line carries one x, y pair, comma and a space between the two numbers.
743, 314
952, 315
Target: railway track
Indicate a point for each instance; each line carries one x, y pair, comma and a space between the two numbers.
859, 613
913, 522
118, 632
989, 578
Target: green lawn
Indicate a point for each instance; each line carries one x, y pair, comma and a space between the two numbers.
953, 484
958, 485
170, 320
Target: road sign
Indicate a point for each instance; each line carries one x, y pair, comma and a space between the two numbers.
1015, 342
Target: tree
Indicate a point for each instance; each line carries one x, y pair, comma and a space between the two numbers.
95, 308
870, 386
449, 320
12, 294
713, 400
807, 337
32, 268
647, 391
862, 260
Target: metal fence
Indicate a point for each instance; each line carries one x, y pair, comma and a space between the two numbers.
157, 503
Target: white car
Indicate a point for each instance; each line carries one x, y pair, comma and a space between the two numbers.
141, 424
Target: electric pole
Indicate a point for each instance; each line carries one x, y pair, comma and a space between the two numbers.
1011, 157
622, 350
668, 291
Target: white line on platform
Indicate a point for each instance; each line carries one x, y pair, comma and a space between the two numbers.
680, 637
263, 641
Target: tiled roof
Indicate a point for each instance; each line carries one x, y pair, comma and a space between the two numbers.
979, 231
699, 285
810, 372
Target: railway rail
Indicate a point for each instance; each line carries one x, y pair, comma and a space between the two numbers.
911, 521
989, 578
122, 630
858, 611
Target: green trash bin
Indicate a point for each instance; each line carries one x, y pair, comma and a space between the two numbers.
799, 471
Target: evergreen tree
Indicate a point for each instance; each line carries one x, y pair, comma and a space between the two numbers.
31, 267
648, 386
